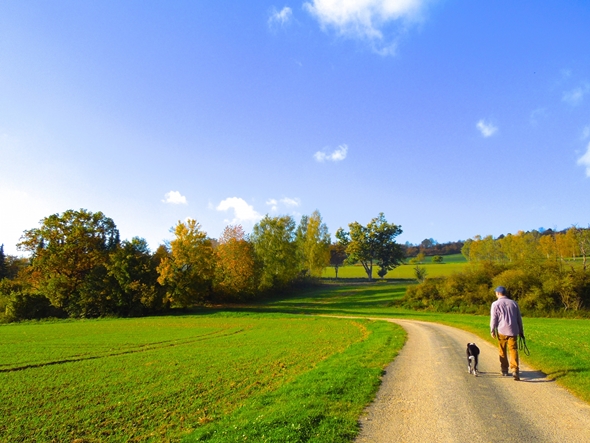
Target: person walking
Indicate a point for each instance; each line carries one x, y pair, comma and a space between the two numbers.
506, 326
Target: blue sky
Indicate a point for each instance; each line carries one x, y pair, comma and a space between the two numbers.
454, 118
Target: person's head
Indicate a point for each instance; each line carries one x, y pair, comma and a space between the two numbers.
501, 291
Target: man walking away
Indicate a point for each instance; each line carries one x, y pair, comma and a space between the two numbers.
506, 326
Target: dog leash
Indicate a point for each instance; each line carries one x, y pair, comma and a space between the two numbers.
522, 345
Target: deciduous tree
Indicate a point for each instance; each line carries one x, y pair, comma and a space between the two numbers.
188, 271
69, 254
273, 239
313, 240
337, 256
373, 244
237, 272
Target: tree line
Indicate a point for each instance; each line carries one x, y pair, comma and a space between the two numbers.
546, 272
77, 265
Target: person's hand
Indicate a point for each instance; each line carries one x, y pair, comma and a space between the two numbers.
494, 334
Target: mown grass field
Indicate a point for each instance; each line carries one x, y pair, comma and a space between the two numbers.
450, 264
225, 375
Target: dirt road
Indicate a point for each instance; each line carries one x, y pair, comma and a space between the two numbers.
427, 395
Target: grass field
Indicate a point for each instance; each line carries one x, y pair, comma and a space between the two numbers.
451, 263
278, 371
159, 378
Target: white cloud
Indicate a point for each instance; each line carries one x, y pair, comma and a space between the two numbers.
280, 18
576, 95
337, 155
585, 160
291, 201
586, 132
487, 129
243, 212
175, 198
365, 19
286, 202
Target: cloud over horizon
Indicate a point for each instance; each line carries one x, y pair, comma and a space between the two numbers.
487, 129
243, 212
365, 19
174, 198
337, 155
285, 201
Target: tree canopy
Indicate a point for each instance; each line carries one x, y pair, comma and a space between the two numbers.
373, 244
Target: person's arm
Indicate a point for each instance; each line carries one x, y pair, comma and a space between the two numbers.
493, 320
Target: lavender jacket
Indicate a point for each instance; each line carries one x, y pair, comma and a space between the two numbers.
506, 318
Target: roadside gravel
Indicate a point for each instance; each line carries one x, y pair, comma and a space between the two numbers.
427, 395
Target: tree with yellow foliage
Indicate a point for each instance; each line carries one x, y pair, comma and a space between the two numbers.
189, 269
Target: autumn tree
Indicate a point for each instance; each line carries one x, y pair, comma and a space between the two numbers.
373, 244
237, 271
313, 242
337, 256
69, 254
274, 244
188, 270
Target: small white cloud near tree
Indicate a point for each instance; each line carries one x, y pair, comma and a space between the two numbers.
174, 198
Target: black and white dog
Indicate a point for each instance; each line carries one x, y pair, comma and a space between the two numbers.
472, 358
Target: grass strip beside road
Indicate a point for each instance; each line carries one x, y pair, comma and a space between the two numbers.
322, 405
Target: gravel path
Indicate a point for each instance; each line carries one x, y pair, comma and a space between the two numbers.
427, 395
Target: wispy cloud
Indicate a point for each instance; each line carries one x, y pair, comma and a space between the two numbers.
487, 129
174, 198
243, 212
585, 132
337, 155
585, 160
576, 95
286, 202
280, 18
537, 115
366, 19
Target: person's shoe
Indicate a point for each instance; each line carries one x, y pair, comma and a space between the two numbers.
505, 374
516, 376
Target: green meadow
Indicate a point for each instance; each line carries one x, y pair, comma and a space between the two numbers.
278, 371
271, 376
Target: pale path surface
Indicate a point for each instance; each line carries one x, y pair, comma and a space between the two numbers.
427, 395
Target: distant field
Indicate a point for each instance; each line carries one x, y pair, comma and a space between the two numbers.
159, 378
450, 264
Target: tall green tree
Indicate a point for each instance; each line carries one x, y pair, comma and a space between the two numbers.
313, 241
275, 247
373, 244
189, 269
137, 290
69, 254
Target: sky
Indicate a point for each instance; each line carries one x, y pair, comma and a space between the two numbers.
454, 118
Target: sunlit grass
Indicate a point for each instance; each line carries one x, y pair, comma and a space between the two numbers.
157, 379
